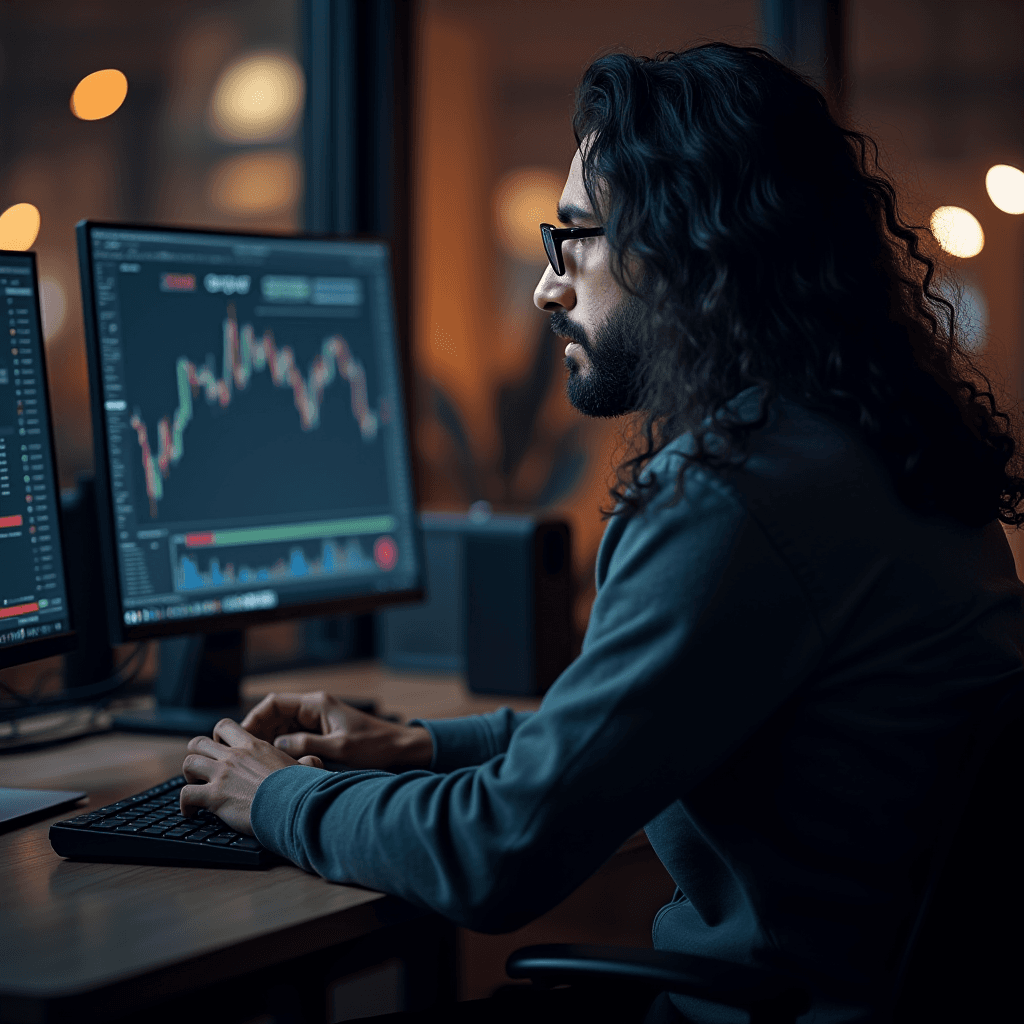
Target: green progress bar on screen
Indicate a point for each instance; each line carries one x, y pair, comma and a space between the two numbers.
292, 531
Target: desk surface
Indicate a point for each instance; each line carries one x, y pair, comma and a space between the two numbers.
70, 927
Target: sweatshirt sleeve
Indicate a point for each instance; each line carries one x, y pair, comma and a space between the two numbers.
474, 739
698, 632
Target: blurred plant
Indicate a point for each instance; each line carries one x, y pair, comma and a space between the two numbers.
454, 467
521, 431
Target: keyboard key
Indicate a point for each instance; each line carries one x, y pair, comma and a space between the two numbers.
155, 830
178, 833
247, 843
202, 834
221, 840
129, 828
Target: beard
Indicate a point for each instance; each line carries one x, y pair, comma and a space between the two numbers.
610, 387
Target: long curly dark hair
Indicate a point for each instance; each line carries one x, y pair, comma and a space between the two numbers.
766, 243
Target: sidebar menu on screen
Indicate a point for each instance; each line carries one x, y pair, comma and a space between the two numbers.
33, 599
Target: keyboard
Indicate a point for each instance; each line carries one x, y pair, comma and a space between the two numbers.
148, 829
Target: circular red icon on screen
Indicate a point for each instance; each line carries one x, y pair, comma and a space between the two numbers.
385, 553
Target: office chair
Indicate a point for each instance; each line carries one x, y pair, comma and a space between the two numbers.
960, 956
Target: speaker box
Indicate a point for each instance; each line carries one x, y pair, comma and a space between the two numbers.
499, 603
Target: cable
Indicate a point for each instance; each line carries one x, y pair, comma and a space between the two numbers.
101, 692
17, 742
125, 673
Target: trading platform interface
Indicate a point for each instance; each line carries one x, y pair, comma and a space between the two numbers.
254, 430
33, 595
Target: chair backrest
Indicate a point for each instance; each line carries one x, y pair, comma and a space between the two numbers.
964, 957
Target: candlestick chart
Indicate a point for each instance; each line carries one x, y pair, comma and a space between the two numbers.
244, 355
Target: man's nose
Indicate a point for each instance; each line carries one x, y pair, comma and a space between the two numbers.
554, 292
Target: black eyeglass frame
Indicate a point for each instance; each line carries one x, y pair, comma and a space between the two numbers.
554, 237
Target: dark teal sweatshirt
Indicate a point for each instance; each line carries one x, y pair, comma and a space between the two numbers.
780, 675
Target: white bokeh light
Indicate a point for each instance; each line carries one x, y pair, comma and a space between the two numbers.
957, 231
1005, 186
258, 98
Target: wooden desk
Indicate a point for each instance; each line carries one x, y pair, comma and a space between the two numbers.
83, 941
406, 694
98, 941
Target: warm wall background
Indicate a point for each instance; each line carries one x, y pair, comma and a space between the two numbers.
940, 84
161, 158
493, 147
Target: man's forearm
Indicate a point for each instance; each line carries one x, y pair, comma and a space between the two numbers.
470, 740
414, 748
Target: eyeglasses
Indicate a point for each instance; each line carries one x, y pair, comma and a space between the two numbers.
553, 238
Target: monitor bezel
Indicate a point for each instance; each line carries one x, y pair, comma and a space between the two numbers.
47, 646
121, 632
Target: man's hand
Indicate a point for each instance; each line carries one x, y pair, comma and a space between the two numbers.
224, 773
317, 723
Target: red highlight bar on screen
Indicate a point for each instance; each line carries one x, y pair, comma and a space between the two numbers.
199, 540
19, 609
177, 282
6, 521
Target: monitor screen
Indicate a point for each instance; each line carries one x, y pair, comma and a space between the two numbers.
252, 450
34, 612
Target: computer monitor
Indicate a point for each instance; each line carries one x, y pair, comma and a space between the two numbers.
35, 616
250, 430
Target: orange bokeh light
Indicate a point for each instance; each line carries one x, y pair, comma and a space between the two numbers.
19, 225
522, 200
99, 94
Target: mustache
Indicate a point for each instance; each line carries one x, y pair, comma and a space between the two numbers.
561, 325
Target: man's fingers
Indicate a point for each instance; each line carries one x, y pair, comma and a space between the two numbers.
275, 713
231, 733
290, 712
263, 714
299, 744
197, 768
312, 761
312, 710
191, 799
207, 747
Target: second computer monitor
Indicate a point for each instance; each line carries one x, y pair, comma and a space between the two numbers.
34, 612
253, 458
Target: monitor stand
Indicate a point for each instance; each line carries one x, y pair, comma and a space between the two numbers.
198, 684
93, 659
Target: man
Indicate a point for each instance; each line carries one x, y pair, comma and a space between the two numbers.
787, 647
